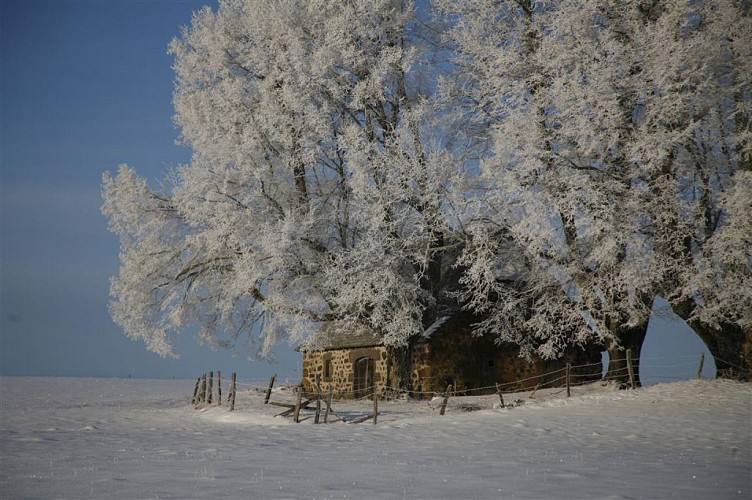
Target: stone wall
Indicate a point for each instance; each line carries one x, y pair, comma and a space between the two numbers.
472, 365
422, 369
341, 376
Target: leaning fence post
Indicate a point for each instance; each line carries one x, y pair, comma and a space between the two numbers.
219, 388
501, 397
567, 376
375, 405
446, 399
630, 369
202, 389
269, 390
534, 390
296, 416
232, 391
702, 362
195, 391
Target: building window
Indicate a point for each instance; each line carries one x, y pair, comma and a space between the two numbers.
490, 362
327, 369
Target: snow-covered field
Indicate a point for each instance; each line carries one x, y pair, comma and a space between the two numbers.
116, 438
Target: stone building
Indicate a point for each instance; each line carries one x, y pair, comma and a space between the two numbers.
351, 363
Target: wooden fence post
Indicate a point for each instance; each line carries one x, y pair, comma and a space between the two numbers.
446, 399
296, 415
202, 389
630, 369
534, 390
318, 400
702, 362
232, 391
329, 403
568, 374
195, 391
269, 390
219, 388
501, 398
375, 405
209, 388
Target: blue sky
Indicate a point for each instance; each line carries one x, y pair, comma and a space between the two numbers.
86, 86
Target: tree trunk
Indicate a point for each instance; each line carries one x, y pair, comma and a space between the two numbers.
431, 280
629, 338
400, 367
730, 346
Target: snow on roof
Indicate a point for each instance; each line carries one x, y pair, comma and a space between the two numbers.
435, 326
334, 336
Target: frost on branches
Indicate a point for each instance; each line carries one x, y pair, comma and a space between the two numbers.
344, 153
619, 132
322, 182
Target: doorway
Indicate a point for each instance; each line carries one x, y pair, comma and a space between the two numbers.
364, 376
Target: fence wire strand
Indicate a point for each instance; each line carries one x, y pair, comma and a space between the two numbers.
548, 380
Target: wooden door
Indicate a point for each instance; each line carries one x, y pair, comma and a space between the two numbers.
364, 371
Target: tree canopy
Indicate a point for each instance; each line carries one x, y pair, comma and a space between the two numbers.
342, 149
321, 179
619, 132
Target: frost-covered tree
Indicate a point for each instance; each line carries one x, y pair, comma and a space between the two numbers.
322, 183
597, 151
718, 302
716, 299
616, 132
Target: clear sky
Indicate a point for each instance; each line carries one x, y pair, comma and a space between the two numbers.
86, 86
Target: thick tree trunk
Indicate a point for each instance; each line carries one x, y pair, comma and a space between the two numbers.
400, 368
401, 358
431, 279
730, 346
629, 338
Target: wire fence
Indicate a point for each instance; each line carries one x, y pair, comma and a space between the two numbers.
624, 372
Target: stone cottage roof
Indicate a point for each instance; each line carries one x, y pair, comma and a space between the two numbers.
332, 336
510, 267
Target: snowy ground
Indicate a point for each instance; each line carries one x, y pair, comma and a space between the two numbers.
116, 438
